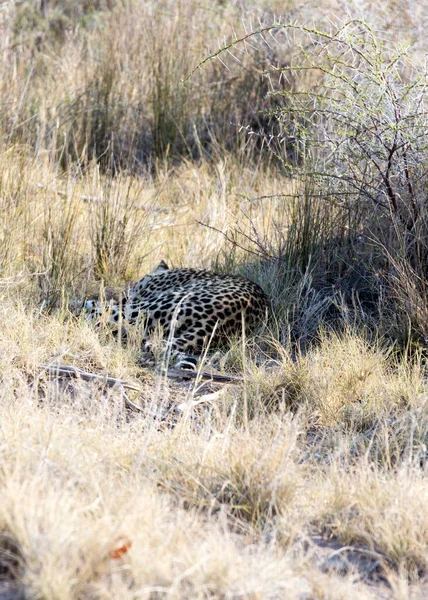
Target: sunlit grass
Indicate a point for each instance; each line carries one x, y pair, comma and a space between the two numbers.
306, 479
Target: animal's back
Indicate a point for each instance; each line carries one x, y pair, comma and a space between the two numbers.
191, 306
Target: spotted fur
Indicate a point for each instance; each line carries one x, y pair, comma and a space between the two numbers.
190, 306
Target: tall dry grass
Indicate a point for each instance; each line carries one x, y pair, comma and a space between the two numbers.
307, 479
196, 507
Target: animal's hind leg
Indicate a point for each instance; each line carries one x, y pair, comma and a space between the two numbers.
185, 361
182, 354
172, 353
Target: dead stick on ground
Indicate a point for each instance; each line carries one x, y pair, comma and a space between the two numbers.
70, 371
204, 375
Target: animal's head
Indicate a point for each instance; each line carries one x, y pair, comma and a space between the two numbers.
109, 302
93, 308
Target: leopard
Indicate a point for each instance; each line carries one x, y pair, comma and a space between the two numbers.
192, 308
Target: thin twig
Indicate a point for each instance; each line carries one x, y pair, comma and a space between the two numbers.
365, 551
129, 402
204, 375
70, 371
232, 241
207, 398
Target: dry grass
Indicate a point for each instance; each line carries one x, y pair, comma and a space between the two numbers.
307, 480
211, 506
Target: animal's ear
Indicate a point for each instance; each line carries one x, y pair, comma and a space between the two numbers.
162, 266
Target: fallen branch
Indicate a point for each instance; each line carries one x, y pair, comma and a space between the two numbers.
120, 384
70, 371
129, 402
203, 375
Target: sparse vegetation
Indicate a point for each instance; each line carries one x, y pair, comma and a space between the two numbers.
294, 152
